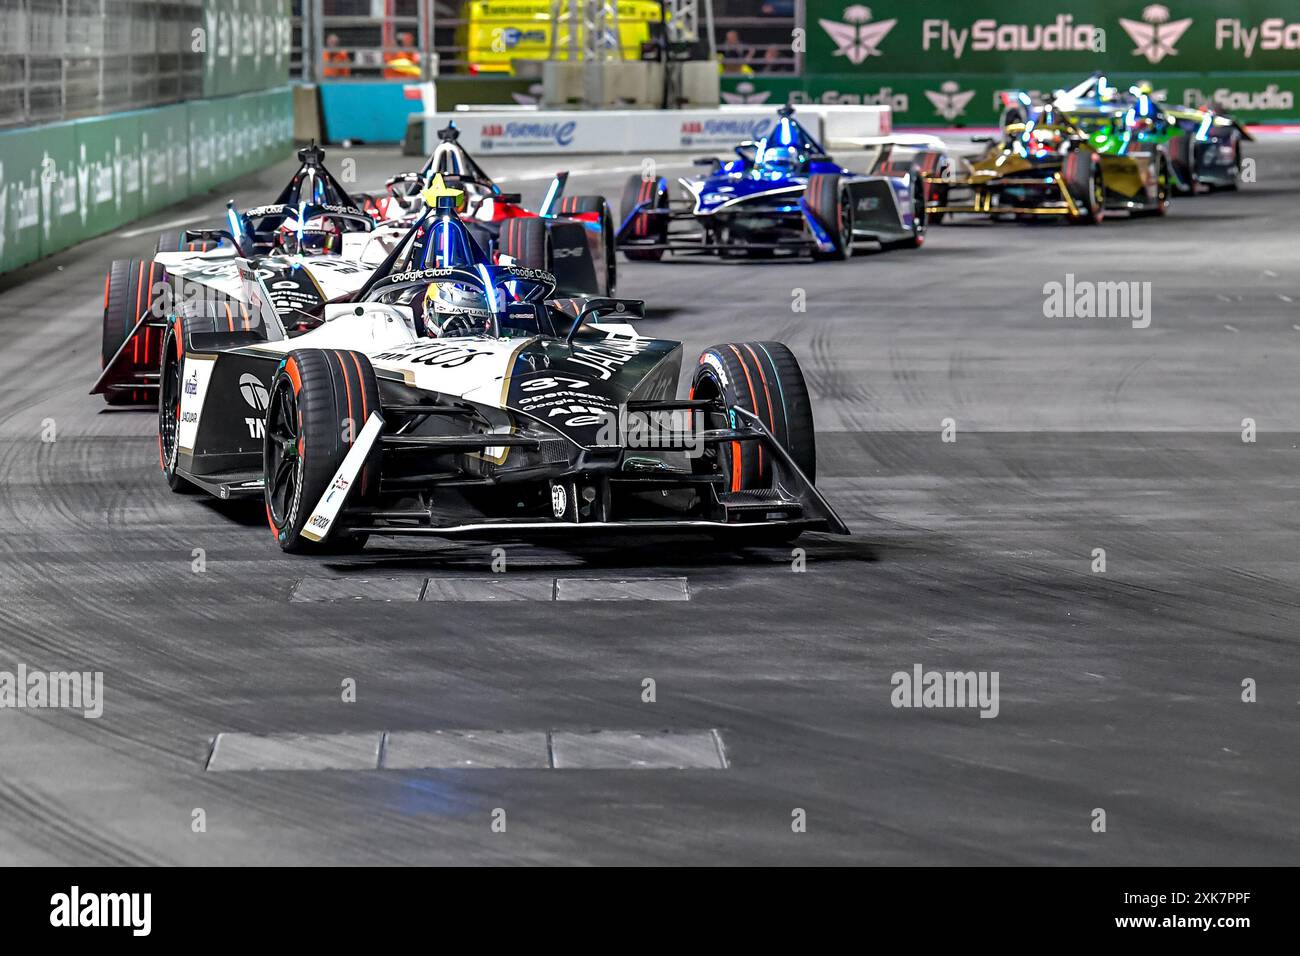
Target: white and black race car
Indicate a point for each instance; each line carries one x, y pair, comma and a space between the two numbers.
454, 396
312, 244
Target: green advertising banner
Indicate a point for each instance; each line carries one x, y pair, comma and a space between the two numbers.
954, 99
942, 61
66, 182
28, 182
108, 147
1019, 36
164, 157
246, 45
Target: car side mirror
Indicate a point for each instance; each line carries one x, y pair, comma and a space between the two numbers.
598, 307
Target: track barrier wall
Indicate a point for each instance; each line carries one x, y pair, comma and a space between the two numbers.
66, 182
641, 132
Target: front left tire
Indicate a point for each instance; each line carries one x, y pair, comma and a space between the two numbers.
1083, 178
763, 378
829, 203
320, 401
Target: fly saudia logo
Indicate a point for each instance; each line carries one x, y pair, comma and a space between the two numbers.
857, 38
1270, 98
1155, 38
1062, 35
1272, 34
950, 100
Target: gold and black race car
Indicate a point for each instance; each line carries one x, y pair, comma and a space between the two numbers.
1048, 166
1204, 146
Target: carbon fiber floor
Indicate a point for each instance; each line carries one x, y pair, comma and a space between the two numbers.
1119, 690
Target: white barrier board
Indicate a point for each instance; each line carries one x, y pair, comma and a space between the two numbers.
643, 132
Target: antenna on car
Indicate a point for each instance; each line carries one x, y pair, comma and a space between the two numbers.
311, 155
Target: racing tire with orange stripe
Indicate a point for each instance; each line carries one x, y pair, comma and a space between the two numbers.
645, 227
588, 204
132, 288
320, 401
763, 378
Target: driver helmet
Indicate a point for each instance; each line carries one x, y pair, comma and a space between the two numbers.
1047, 138
319, 237
783, 157
456, 309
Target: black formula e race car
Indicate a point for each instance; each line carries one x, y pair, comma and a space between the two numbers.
453, 395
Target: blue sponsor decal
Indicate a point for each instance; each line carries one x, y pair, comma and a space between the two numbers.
511, 37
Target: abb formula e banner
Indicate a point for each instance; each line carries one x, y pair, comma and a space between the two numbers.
525, 131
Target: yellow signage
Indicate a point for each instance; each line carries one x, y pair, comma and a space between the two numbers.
499, 31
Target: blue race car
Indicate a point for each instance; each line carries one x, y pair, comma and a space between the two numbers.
782, 195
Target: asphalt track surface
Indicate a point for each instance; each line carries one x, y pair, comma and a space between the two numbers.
1118, 690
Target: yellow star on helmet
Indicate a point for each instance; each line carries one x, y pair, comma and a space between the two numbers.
438, 190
